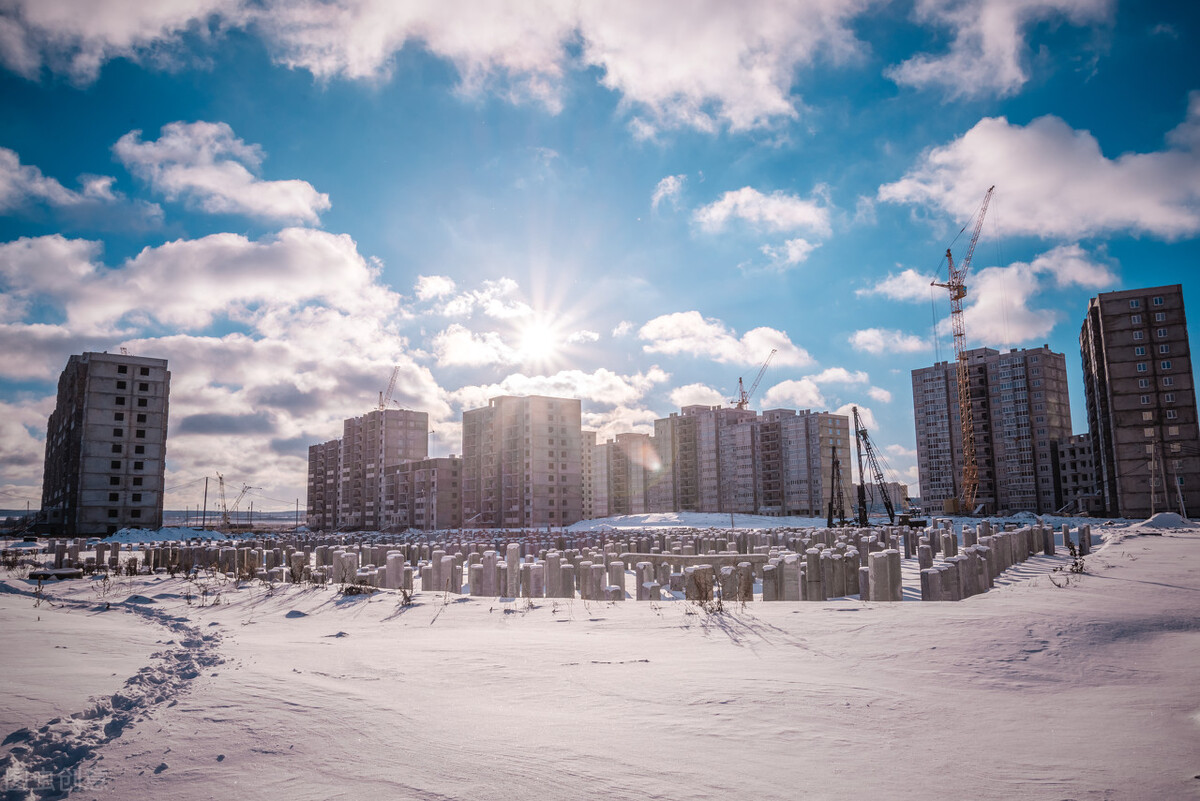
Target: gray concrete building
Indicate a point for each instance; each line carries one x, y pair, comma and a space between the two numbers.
1075, 489
379, 439
1141, 401
424, 495
587, 449
324, 484
521, 463
628, 463
1020, 407
106, 445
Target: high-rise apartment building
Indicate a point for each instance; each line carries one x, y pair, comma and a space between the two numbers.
1141, 401
629, 464
379, 439
324, 484
1020, 408
106, 445
1075, 489
521, 463
424, 495
587, 449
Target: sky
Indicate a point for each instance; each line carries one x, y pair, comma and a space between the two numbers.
631, 203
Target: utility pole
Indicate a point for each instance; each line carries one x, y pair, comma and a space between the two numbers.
204, 519
1153, 476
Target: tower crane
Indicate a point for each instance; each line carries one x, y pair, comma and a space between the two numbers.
224, 506
743, 399
958, 289
386, 397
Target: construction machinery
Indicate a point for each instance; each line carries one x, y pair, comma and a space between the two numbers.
225, 506
958, 290
743, 398
837, 498
864, 447
385, 397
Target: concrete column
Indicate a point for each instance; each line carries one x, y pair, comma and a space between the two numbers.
864, 583
895, 580
931, 585
877, 575
512, 558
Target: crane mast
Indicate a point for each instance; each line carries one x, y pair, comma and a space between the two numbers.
958, 289
865, 447
743, 399
386, 397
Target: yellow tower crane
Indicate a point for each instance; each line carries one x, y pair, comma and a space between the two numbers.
958, 290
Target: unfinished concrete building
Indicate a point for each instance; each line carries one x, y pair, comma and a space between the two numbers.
629, 464
425, 495
1141, 401
1020, 408
106, 445
521, 463
1075, 489
587, 448
324, 484
380, 439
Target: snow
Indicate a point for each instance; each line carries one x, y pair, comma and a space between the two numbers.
170, 534
1052, 685
1166, 520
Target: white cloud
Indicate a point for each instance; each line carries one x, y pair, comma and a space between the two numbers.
668, 189
795, 393
602, 387
429, 287
864, 414
774, 212
793, 252
620, 419
906, 285
622, 329
690, 333
1055, 182
882, 340
1001, 310
579, 337
988, 51
839, 375
696, 395
457, 346
879, 394
76, 39
24, 184
204, 164
497, 299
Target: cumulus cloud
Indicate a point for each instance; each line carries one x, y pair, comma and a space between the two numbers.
207, 166
864, 414
602, 387
906, 285
988, 49
1056, 183
622, 329
879, 394
429, 287
458, 346
668, 189
23, 185
791, 253
882, 340
1002, 308
800, 393
776, 211
498, 299
696, 395
620, 419
840, 375
691, 333
580, 337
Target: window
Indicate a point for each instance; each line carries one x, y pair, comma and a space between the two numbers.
141, 401
118, 416
139, 449
114, 481
1160, 317
137, 497
121, 385
1135, 304
1168, 381
139, 465
1158, 301
112, 512
141, 418
137, 481
1172, 414
1141, 368
1172, 431
122, 369
1149, 432
140, 433
1164, 348
143, 371
1169, 397
1135, 319
1143, 383
143, 387
1137, 335
1147, 416
1140, 350
135, 512
117, 432
113, 497
116, 448
1166, 364
115, 464
1160, 332
1145, 400
120, 401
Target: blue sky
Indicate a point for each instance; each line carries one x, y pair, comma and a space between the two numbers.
631, 203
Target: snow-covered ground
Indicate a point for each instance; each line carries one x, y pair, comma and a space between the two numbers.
1053, 685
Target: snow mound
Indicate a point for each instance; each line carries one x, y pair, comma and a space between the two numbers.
692, 520
1166, 520
141, 535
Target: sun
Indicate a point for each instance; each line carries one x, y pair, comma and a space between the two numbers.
539, 341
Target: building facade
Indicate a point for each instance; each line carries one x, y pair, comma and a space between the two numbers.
1020, 407
324, 484
379, 439
425, 495
1141, 401
1075, 477
106, 445
521, 463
